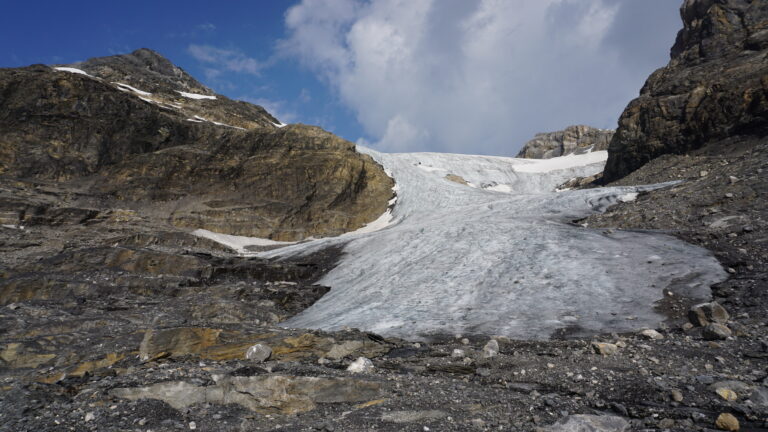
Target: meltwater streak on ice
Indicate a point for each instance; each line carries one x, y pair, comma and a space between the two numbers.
464, 260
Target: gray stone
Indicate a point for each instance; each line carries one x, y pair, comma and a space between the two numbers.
342, 350
265, 394
588, 423
651, 334
604, 349
360, 365
759, 397
258, 353
716, 331
491, 349
412, 416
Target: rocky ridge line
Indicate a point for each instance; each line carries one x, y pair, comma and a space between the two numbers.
572, 140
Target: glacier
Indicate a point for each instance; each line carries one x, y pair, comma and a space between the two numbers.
497, 253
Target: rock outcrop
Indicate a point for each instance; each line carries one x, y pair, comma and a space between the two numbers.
714, 88
109, 144
573, 140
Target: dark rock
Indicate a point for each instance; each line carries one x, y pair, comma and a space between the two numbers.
705, 313
715, 331
714, 87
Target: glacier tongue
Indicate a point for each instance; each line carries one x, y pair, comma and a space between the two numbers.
460, 259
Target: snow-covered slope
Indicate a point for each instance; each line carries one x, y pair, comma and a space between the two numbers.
461, 258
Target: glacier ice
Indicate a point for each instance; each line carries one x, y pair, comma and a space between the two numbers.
502, 260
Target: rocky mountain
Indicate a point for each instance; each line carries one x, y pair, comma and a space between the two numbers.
104, 142
573, 140
714, 89
114, 317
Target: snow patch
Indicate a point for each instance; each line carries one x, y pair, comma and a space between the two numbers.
628, 197
562, 162
382, 222
195, 95
126, 87
201, 119
238, 243
280, 125
73, 70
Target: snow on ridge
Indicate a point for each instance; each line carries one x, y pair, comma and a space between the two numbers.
195, 95
280, 125
199, 119
126, 87
238, 243
73, 70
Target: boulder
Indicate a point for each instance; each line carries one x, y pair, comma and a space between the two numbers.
727, 422
361, 365
605, 349
258, 353
702, 314
716, 331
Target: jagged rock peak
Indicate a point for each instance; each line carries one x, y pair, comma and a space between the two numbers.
714, 90
144, 68
573, 139
712, 28
149, 76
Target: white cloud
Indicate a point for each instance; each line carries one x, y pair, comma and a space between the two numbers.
472, 76
224, 60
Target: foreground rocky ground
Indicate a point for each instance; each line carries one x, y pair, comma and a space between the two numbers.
110, 323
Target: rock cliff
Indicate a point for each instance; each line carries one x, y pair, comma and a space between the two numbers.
715, 87
574, 139
136, 132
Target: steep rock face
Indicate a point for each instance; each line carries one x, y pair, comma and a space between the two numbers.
574, 139
105, 148
715, 87
157, 79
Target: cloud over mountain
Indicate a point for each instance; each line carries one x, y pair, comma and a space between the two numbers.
477, 76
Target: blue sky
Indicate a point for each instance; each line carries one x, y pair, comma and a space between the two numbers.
469, 76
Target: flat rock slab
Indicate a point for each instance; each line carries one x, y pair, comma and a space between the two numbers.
263, 394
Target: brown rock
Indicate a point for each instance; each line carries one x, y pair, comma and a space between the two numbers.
727, 422
704, 313
604, 349
90, 135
